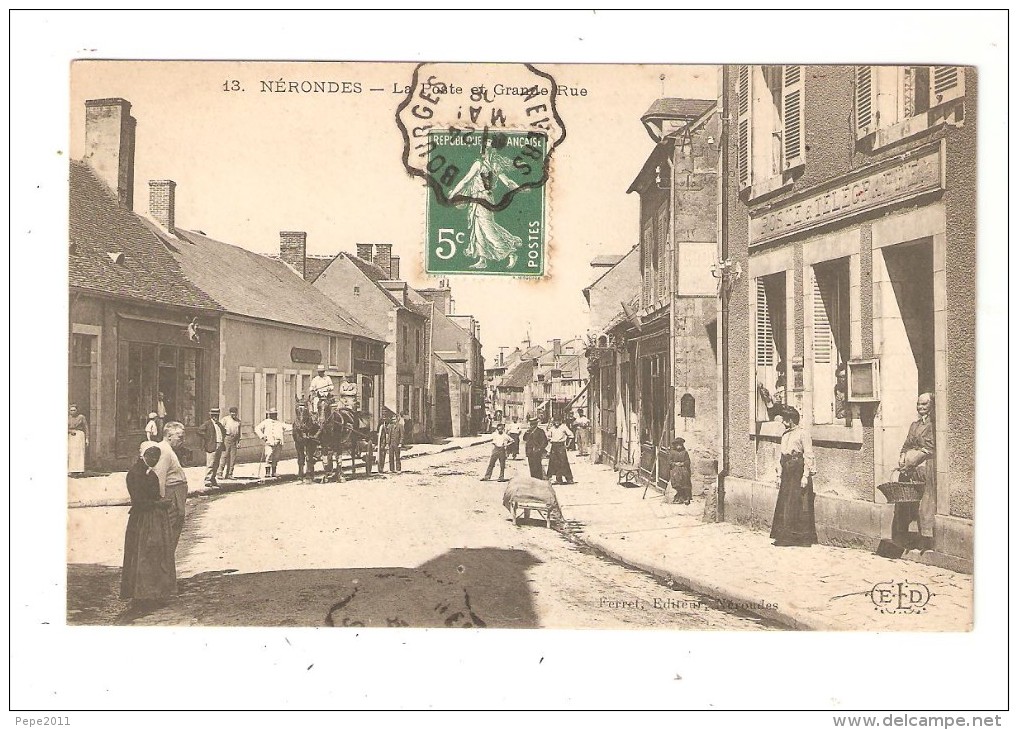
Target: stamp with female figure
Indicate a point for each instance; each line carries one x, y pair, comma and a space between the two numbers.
489, 224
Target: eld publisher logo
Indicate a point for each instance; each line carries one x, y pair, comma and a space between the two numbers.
900, 597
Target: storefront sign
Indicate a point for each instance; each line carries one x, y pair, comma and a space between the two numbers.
891, 183
300, 354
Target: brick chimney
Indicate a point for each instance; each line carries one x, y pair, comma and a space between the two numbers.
293, 250
440, 296
109, 146
394, 267
383, 258
364, 251
556, 347
162, 203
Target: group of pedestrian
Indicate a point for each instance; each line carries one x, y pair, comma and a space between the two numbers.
538, 441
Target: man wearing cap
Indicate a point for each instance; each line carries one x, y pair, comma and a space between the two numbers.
319, 391
213, 438
272, 432
231, 424
536, 440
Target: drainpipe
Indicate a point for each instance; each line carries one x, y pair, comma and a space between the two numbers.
723, 296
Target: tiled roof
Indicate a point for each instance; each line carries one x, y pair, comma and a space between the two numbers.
315, 265
679, 108
247, 283
98, 226
519, 377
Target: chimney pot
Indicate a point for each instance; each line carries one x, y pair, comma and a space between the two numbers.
109, 146
162, 197
293, 250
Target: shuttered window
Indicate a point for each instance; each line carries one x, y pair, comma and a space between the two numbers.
744, 103
946, 83
791, 116
764, 327
823, 339
864, 88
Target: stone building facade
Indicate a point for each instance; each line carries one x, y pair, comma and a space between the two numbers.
851, 215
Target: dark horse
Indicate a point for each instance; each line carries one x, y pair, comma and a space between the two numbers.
307, 438
344, 430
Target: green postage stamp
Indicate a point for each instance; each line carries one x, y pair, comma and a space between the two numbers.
486, 208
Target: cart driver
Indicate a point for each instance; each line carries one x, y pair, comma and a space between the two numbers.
320, 390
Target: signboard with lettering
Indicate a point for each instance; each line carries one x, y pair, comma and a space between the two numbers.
300, 354
891, 182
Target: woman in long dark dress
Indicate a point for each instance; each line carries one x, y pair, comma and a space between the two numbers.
794, 521
680, 475
149, 573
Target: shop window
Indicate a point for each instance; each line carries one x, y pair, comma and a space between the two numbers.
886, 96
769, 131
80, 387
146, 370
654, 399
771, 358
687, 406
831, 309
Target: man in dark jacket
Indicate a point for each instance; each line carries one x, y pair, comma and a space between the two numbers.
537, 441
395, 440
213, 440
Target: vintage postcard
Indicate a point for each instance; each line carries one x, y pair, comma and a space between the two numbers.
521, 345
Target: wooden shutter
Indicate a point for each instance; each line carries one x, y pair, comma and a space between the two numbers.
793, 139
824, 359
823, 338
946, 83
865, 100
764, 328
744, 133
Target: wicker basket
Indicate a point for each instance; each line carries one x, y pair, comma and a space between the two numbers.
898, 492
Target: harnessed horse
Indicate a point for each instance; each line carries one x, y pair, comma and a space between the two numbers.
306, 437
343, 430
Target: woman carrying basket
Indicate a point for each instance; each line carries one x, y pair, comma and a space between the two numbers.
917, 463
794, 522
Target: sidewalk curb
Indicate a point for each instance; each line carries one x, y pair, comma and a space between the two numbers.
793, 619
281, 479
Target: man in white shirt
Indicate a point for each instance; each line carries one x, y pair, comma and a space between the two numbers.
320, 390
348, 392
515, 431
499, 441
272, 432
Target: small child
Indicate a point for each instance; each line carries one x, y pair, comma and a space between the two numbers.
680, 477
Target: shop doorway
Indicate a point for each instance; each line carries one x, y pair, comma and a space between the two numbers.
907, 340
